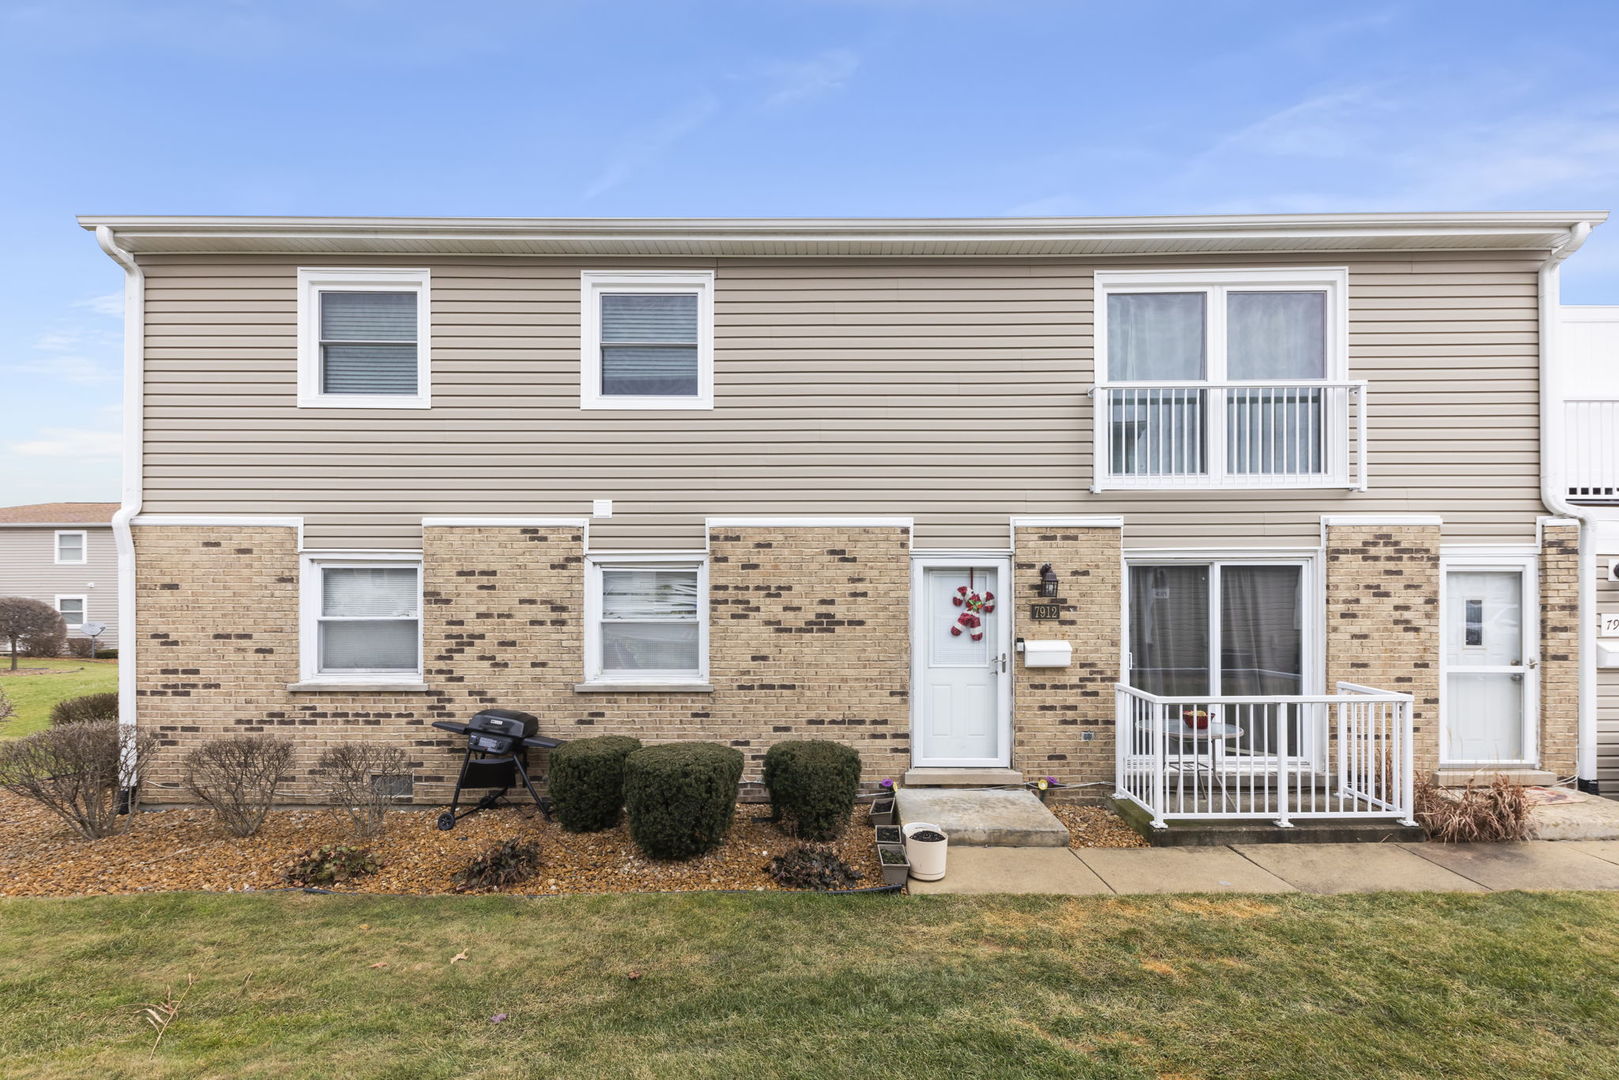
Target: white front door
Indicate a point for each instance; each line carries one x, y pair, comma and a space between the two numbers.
962, 712
1489, 685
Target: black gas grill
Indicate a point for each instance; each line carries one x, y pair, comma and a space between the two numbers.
498, 742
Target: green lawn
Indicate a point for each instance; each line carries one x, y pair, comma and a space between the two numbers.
696, 986
35, 694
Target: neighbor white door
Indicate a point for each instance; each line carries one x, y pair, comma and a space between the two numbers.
1489, 667
962, 712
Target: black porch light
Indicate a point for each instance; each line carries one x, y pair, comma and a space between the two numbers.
1048, 581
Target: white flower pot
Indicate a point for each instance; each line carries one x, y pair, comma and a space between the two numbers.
927, 856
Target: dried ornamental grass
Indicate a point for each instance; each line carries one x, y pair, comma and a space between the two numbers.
1497, 813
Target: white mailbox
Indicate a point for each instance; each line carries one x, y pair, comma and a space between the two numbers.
1608, 654
1047, 654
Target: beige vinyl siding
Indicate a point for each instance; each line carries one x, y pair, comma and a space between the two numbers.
951, 390
28, 568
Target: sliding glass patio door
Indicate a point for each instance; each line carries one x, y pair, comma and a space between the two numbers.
1225, 628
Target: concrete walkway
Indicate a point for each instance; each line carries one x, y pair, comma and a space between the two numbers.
1263, 868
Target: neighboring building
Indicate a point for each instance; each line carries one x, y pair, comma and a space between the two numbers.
62, 554
727, 479
1585, 464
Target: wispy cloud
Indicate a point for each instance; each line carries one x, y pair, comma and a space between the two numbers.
803, 80
646, 146
86, 444
81, 356
107, 304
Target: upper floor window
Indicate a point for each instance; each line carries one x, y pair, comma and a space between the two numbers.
71, 547
363, 339
1229, 378
72, 610
647, 339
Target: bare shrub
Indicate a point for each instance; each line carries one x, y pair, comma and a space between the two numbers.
30, 628
80, 647
86, 707
237, 775
1474, 815
7, 709
358, 783
77, 772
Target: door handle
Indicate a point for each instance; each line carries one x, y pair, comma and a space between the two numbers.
999, 660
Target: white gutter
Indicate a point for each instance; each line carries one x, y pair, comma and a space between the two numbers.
1554, 490
130, 497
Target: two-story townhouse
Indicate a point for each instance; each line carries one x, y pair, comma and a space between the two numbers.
1235, 516
62, 554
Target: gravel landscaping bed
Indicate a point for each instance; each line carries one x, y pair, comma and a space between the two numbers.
1095, 826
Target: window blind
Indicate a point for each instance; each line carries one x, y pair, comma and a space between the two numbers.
650, 620
368, 342
369, 592
649, 344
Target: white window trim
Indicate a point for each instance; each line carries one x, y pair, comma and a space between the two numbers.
1215, 283
309, 608
592, 283
84, 547
1478, 558
312, 281
594, 565
84, 609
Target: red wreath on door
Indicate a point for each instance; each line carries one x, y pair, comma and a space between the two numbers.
976, 606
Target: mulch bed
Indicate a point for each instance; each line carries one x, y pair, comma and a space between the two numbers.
185, 849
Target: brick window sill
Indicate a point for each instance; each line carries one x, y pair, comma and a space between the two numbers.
643, 688
318, 687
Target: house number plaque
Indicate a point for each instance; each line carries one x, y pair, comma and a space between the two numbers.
1045, 612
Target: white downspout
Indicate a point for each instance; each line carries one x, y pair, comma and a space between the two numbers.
1554, 491
130, 498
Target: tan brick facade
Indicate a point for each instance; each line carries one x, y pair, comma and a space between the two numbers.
809, 637
1383, 618
1560, 648
1062, 718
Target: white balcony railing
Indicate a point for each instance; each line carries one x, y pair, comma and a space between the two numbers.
1230, 434
1591, 450
1343, 755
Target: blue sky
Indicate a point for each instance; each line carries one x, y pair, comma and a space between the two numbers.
791, 107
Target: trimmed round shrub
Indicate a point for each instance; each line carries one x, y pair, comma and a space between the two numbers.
813, 784
587, 781
90, 707
681, 797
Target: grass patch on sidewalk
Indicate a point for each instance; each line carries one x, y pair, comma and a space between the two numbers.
698, 986
34, 694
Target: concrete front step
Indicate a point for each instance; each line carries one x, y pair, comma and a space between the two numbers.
1222, 833
961, 778
983, 817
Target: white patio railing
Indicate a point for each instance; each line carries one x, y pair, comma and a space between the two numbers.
1591, 450
1230, 434
1343, 755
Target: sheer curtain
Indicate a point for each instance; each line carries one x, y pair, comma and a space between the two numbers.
650, 620
368, 342
1262, 652
1157, 337
369, 619
1275, 336
1169, 629
649, 343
